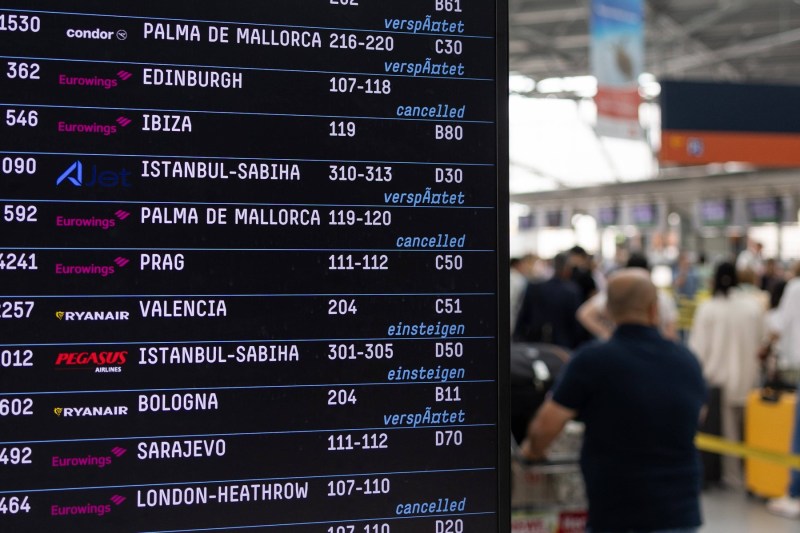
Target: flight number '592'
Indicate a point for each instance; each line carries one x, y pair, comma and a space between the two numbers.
20, 213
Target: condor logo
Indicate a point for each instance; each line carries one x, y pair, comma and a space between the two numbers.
97, 178
102, 362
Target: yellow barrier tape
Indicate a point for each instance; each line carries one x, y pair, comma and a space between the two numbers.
712, 443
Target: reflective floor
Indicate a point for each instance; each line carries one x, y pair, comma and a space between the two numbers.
728, 511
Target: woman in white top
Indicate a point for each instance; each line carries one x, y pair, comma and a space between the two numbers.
726, 335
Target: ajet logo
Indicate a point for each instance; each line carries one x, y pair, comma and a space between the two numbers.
74, 175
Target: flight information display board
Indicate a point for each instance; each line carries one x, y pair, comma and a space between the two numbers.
250, 266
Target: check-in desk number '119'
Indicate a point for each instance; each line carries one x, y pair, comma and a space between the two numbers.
250, 271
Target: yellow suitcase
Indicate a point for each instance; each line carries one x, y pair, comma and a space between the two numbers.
768, 425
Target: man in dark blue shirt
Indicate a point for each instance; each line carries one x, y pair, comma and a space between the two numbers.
549, 308
641, 398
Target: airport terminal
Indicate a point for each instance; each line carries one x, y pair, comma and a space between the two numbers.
346, 266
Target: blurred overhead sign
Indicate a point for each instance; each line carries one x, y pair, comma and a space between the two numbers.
721, 122
617, 57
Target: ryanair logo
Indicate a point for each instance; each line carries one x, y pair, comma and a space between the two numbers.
75, 412
92, 316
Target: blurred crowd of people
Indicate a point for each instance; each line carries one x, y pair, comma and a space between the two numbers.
740, 317
562, 301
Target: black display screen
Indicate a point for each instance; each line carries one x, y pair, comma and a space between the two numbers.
554, 219
764, 210
608, 216
716, 212
643, 215
250, 271
526, 222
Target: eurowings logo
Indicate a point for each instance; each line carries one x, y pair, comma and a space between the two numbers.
96, 509
119, 452
74, 174
88, 461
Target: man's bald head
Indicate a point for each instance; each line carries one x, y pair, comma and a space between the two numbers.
632, 297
